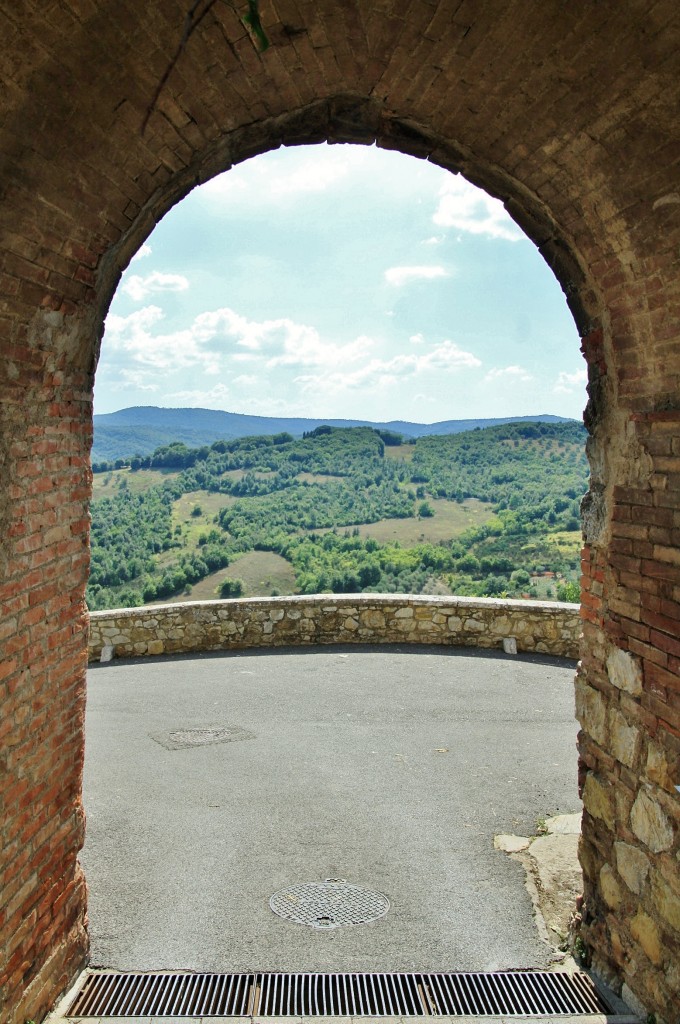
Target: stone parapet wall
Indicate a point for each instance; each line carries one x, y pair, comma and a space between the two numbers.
537, 626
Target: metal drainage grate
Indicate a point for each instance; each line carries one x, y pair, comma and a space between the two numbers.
330, 904
180, 739
502, 993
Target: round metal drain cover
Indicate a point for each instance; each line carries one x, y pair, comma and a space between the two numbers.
329, 904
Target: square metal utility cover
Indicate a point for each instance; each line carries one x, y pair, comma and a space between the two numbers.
180, 739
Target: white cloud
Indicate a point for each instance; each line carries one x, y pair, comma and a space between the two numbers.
380, 373
417, 339
141, 321
568, 383
303, 346
463, 206
286, 173
144, 250
313, 176
433, 240
221, 338
138, 288
448, 356
137, 379
399, 276
223, 186
134, 339
516, 373
214, 398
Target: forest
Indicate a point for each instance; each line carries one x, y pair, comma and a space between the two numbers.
487, 512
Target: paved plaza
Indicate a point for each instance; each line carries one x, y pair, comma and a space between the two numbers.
391, 768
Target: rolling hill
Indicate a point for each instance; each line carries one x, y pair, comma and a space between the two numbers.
141, 429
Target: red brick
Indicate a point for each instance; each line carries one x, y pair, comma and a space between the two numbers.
660, 570
664, 642
627, 562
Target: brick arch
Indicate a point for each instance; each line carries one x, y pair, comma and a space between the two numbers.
363, 121
571, 118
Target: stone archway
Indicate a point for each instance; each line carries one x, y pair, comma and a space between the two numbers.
571, 118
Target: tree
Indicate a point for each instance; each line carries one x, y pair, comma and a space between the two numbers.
425, 510
231, 587
569, 592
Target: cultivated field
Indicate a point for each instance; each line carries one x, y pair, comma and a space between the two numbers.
105, 485
451, 518
263, 573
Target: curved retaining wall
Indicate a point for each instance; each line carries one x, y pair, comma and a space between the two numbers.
537, 626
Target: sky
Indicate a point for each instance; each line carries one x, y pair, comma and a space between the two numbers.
341, 282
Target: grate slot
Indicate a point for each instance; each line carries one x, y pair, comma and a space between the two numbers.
348, 997
110, 993
526, 989
243, 996
116, 995
410, 1000
470, 1001
139, 994
561, 996
176, 994
365, 1008
504, 993
167, 997
439, 997
587, 993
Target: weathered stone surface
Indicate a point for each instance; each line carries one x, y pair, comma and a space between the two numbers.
611, 890
598, 800
511, 844
643, 928
591, 710
373, 619
657, 768
667, 903
633, 866
624, 738
650, 824
211, 625
564, 824
624, 671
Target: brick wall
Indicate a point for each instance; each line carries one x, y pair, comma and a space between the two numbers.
567, 112
43, 630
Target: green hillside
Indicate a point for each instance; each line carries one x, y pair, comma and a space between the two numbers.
141, 429
483, 512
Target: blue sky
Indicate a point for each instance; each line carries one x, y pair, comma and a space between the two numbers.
341, 281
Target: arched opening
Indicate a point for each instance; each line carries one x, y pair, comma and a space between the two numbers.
317, 830
313, 287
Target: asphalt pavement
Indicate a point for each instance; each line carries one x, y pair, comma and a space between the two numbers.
391, 768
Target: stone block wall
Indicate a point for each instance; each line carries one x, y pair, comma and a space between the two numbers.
628, 704
539, 627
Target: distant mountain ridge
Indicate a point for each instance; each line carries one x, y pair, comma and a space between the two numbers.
141, 429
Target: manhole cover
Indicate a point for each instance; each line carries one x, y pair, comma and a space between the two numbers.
329, 904
179, 739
